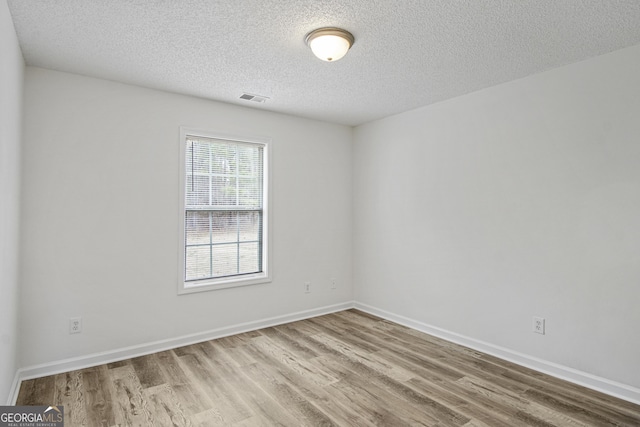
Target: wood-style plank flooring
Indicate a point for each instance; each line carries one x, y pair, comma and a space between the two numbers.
343, 369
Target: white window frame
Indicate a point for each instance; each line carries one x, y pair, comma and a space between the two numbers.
187, 287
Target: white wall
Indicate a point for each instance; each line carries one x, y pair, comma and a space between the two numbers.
11, 81
100, 214
475, 214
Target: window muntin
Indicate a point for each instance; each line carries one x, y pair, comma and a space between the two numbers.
224, 215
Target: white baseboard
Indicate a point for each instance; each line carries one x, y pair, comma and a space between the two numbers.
603, 385
96, 359
15, 388
612, 388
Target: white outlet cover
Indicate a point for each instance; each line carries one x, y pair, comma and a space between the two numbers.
538, 325
75, 325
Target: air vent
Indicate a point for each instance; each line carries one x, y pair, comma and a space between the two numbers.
253, 98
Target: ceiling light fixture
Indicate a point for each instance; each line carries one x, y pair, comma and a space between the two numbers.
329, 43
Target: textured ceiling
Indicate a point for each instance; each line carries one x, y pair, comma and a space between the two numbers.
407, 53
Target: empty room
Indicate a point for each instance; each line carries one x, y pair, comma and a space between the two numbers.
305, 213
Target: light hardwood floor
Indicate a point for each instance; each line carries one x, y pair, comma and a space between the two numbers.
346, 369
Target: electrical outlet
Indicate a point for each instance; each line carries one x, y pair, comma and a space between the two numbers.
75, 325
538, 325
307, 287
333, 282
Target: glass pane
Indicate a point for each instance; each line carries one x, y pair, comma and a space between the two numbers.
224, 226
223, 158
223, 191
196, 228
250, 161
197, 262
249, 258
250, 192
197, 190
249, 226
197, 157
225, 260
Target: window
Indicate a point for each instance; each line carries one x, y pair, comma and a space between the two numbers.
224, 232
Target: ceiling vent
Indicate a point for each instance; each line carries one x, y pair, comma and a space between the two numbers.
254, 98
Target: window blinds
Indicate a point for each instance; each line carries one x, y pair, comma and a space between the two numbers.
223, 208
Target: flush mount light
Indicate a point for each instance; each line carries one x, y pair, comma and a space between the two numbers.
329, 44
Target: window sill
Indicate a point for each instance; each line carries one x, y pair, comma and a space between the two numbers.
223, 283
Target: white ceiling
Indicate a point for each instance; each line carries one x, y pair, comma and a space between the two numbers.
407, 53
